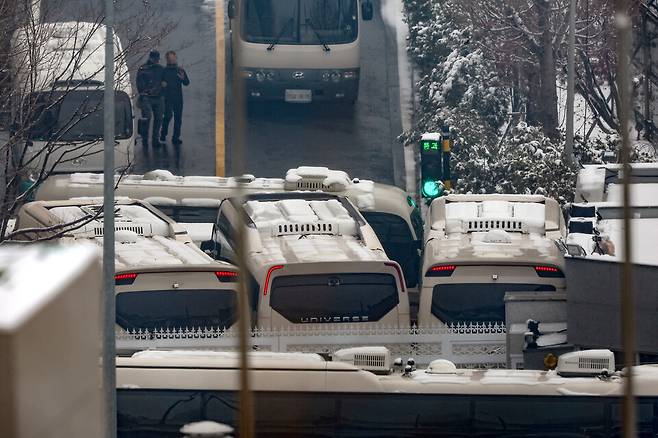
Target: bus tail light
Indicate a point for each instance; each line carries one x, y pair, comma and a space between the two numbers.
548, 272
268, 277
125, 279
399, 272
227, 276
441, 271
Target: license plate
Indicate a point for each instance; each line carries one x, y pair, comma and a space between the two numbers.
298, 96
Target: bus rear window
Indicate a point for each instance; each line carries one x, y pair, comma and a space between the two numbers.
334, 298
476, 302
174, 309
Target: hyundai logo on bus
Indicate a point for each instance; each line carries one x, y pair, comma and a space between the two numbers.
298, 75
333, 282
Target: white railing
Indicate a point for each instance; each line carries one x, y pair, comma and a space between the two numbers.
467, 345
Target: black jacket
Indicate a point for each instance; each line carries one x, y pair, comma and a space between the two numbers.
174, 89
149, 79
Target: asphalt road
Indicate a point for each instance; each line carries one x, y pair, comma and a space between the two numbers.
361, 140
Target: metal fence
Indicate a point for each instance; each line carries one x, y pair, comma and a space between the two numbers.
468, 345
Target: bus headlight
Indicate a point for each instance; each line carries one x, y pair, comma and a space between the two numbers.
351, 74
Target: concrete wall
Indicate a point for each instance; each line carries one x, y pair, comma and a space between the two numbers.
50, 379
593, 308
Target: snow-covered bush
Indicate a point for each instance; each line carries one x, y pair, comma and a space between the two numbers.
460, 87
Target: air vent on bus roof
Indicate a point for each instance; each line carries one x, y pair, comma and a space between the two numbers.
475, 225
310, 185
292, 228
316, 178
586, 363
139, 229
373, 359
95, 229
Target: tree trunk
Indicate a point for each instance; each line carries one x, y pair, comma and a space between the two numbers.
548, 88
534, 114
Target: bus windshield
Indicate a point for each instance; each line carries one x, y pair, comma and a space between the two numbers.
300, 21
75, 115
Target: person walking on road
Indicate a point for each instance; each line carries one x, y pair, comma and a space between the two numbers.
175, 77
150, 84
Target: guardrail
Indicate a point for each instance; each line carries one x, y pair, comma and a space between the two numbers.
467, 345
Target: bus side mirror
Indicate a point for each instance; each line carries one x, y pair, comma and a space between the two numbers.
232, 9
366, 10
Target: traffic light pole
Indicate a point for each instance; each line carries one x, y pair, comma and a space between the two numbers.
447, 150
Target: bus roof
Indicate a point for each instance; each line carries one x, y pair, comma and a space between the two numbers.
71, 52
145, 238
498, 228
307, 228
304, 372
161, 187
599, 183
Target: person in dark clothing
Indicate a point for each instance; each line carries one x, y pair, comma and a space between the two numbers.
150, 85
175, 77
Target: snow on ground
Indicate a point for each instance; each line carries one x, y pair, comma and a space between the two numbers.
583, 118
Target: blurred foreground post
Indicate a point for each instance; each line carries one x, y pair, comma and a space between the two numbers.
239, 143
624, 25
109, 343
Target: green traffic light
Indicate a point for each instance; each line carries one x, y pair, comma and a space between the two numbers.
431, 189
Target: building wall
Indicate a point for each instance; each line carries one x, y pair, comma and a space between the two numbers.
593, 304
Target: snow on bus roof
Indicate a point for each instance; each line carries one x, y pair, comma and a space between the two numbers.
230, 355
156, 251
133, 214
275, 222
183, 190
269, 214
59, 42
461, 215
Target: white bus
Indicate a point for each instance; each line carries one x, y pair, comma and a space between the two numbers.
478, 247
57, 99
299, 51
301, 395
163, 280
193, 201
312, 259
